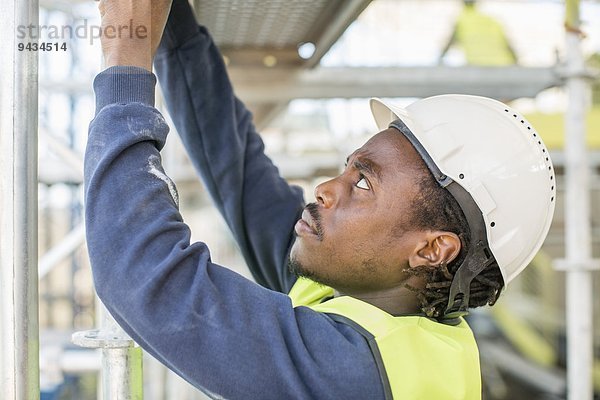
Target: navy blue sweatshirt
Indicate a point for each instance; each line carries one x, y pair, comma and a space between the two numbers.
230, 337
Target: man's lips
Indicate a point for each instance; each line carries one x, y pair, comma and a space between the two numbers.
305, 225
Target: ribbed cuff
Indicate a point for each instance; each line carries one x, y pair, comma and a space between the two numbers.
181, 26
124, 84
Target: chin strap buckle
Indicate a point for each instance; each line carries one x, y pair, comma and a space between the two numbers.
478, 258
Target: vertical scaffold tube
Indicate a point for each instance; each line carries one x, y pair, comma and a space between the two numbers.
19, 335
577, 218
121, 360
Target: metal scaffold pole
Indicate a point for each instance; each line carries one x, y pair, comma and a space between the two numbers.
578, 263
19, 335
121, 360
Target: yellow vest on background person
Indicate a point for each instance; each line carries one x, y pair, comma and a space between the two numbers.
417, 357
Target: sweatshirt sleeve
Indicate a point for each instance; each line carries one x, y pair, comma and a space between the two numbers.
226, 335
217, 130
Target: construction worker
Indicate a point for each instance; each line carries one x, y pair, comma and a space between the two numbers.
361, 294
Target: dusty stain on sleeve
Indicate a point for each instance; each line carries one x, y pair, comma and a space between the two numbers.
138, 127
155, 169
145, 126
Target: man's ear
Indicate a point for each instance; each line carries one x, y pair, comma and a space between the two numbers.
437, 247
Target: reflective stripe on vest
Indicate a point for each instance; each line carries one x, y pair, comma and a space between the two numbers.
418, 358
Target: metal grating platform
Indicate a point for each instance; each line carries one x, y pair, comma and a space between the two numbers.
253, 23
249, 30
267, 34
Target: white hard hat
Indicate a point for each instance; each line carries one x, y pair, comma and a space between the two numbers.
496, 166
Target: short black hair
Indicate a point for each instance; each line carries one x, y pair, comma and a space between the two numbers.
435, 208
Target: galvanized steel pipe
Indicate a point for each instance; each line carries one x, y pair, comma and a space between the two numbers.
19, 336
578, 240
121, 360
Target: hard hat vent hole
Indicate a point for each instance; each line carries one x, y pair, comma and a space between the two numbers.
493, 224
461, 176
536, 138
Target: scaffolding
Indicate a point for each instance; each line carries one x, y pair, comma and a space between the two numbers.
122, 358
578, 263
19, 337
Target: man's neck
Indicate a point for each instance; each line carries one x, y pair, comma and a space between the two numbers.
397, 301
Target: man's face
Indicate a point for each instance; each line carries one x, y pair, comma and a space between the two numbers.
358, 237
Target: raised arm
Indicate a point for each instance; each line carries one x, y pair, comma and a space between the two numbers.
217, 131
224, 334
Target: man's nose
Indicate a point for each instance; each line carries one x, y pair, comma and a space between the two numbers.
327, 193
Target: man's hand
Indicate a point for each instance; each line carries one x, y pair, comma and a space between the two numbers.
131, 30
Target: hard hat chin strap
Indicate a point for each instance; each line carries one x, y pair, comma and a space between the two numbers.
479, 255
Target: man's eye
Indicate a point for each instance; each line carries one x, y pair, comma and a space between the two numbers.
362, 184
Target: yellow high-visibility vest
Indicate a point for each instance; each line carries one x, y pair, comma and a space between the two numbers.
417, 358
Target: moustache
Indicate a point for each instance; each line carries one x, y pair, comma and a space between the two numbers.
313, 210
